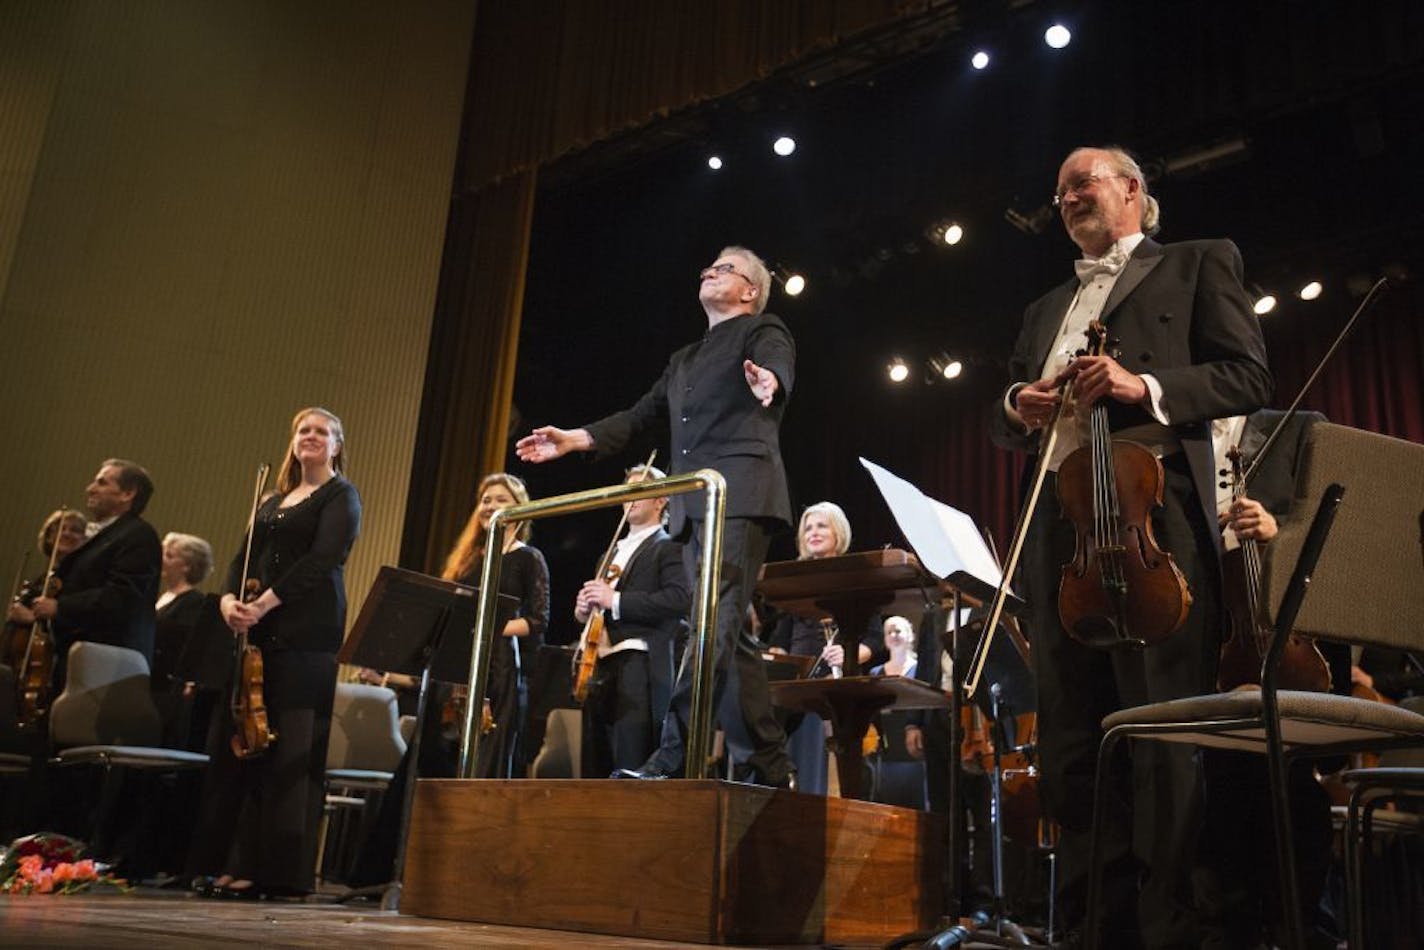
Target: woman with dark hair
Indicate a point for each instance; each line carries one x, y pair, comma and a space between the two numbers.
525, 575
260, 815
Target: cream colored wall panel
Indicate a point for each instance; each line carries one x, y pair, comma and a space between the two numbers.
226, 212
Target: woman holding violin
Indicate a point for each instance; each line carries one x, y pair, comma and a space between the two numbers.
258, 824
62, 532
525, 576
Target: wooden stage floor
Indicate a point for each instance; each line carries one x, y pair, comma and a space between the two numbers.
152, 919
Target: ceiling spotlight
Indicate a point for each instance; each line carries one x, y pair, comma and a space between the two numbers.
898, 371
953, 234
1057, 36
795, 283
979, 60
1310, 291
715, 162
945, 367
1264, 304
784, 146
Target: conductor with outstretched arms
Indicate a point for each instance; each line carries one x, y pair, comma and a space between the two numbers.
723, 398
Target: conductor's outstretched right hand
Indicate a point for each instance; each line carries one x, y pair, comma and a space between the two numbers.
547, 443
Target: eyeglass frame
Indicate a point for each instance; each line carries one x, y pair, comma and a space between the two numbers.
723, 269
1078, 187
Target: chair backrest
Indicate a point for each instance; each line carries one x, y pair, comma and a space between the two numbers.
106, 699
365, 729
1369, 584
562, 753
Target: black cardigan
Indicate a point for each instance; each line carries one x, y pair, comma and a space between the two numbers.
300, 553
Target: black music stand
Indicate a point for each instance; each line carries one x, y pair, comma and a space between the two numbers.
421, 626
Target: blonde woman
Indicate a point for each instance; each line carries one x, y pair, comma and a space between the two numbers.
525, 576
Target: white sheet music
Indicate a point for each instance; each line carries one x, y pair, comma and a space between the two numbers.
945, 539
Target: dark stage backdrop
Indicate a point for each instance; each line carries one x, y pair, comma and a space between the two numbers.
1330, 158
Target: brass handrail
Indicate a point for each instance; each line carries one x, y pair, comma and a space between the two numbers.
706, 480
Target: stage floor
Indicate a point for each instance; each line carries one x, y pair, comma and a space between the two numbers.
160, 919
154, 920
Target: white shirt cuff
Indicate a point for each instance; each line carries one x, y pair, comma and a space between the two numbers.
1154, 392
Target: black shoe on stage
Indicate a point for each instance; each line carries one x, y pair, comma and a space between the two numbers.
641, 774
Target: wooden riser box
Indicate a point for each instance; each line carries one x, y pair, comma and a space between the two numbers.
707, 862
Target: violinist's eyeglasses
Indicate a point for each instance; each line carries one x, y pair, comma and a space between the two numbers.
717, 270
1079, 186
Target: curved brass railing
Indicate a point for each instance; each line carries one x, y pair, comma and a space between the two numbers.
703, 643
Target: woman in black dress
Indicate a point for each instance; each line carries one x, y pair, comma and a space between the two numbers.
187, 562
525, 576
260, 816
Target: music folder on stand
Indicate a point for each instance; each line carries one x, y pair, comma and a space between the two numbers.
421, 626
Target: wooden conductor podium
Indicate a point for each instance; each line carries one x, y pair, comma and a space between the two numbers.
699, 861
852, 588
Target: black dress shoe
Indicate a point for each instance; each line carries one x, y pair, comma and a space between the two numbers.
249, 891
641, 774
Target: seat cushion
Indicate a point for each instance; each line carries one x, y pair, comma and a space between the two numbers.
132, 756
1307, 718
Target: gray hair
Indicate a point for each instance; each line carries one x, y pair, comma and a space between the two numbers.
196, 553
1125, 165
760, 277
839, 523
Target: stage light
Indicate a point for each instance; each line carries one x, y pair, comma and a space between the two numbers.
784, 146
953, 234
1264, 304
1310, 291
979, 60
944, 367
795, 283
715, 163
898, 371
1057, 36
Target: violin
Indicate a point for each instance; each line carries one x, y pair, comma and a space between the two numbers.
251, 732
35, 669
593, 636
452, 715
23, 593
1120, 588
1302, 666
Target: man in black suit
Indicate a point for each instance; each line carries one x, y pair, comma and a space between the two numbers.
1190, 351
644, 609
723, 398
109, 584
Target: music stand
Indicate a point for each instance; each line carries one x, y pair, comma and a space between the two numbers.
421, 626
949, 545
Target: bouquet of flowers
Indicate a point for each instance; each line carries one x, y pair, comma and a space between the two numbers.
49, 863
